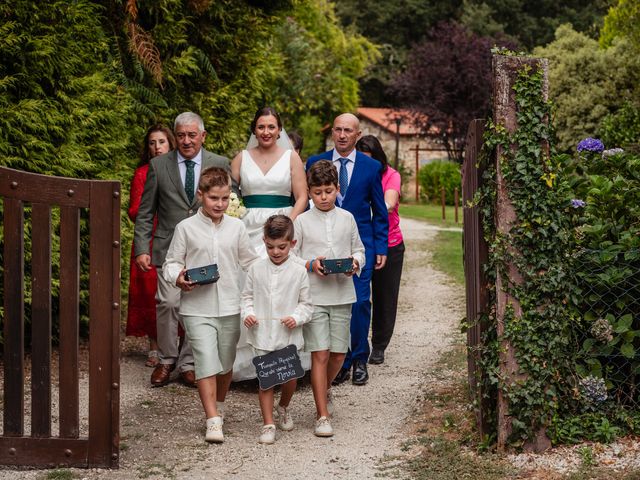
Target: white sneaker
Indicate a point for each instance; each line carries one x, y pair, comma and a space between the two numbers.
323, 428
268, 435
285, 422
330, 407
214, 430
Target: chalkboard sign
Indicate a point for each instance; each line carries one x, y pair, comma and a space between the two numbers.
278, 367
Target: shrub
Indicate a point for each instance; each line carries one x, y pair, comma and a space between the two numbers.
607, 266
621, 128
433, 176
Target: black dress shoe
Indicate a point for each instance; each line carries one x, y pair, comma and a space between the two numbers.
343, 375
360, 374
376, 357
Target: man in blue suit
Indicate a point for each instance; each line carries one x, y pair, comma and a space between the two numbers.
361, 194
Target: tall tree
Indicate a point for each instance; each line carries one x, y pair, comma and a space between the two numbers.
622, 20
394, 25
225, 59
319, 69
533, 22
448, 82
62, 114
587, 83
622, 24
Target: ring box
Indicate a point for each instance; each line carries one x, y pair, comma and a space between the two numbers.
336, 265
203, 275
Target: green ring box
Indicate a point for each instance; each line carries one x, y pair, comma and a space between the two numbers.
336, 265
203, 275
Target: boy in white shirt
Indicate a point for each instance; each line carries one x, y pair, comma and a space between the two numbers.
211, 313
327, 231
275, 303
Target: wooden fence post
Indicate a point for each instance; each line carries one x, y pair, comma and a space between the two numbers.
417, 173
505, 73
456, 200
476, 289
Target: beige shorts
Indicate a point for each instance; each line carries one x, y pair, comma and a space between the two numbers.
258, 353
213, 341
328, 329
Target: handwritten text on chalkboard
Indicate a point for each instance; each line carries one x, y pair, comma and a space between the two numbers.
278, 367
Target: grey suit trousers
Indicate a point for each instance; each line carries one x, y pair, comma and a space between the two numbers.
167, 320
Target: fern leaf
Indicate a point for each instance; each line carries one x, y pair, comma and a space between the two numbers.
131, 7
141, 44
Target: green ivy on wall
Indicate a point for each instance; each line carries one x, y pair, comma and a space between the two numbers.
538, 246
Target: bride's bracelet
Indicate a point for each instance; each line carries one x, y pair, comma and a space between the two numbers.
311, 264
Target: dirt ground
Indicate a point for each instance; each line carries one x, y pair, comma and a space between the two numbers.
162, 428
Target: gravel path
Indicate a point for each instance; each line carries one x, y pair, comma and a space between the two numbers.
162, 429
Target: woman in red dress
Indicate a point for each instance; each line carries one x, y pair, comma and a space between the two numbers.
141, 311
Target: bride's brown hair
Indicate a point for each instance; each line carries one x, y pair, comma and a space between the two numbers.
263, 112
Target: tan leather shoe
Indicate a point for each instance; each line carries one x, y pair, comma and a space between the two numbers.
161, 374
188, 378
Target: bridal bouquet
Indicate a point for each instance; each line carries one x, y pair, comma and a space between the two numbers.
235, 208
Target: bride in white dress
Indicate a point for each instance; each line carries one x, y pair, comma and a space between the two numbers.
268, 174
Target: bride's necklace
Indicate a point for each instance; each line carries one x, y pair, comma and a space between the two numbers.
269, 158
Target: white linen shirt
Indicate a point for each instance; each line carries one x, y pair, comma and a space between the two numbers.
332, 234
198, 242
271, 293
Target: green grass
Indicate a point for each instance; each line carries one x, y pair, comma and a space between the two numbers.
447, 255
431, 213
60, 474
446, 442
446, 246
444, 459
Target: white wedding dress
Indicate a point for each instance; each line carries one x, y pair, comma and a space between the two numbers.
276, 182
274, 187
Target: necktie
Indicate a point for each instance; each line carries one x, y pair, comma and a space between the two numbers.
189, 180
343, 177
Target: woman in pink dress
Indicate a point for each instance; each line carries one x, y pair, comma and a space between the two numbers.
141, 310
385, 283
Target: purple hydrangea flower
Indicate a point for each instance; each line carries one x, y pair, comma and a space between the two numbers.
577, 203
591, 145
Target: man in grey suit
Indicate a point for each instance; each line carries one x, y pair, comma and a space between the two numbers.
169, 193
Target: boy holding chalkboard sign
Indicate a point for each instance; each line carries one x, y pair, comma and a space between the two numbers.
210, 310
275, 304
327, 236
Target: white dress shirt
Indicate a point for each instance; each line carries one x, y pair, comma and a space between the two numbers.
271, 293
196, 168
332, 234
336, 161
198, 242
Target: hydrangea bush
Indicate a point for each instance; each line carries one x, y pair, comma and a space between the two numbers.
608, 264
576, 244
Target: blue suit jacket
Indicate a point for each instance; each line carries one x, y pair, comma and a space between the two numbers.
365, 201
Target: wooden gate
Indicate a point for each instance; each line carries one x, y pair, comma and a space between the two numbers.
475, 256
102, 201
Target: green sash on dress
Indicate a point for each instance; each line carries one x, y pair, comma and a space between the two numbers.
266, 201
